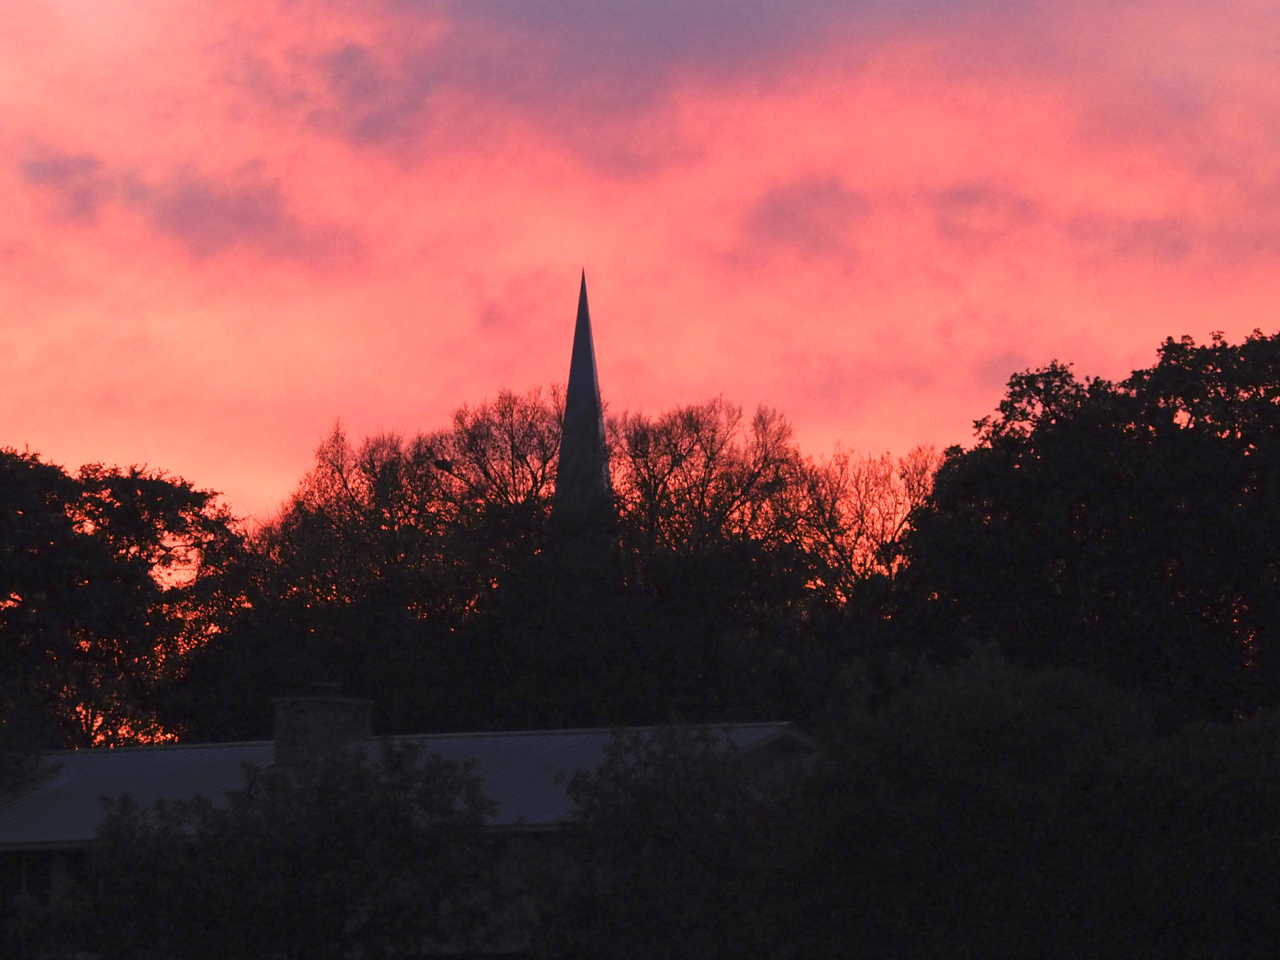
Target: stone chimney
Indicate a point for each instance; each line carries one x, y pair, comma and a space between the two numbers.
308, 728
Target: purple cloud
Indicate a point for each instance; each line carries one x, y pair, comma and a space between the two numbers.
814, 217
207, 215
77, 182
977, 215
376, 100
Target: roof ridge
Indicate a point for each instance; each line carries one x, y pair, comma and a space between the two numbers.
149, 747
585, 730
562, 731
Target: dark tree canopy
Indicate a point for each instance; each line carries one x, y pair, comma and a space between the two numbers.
106, 580
984, 810
1129, 528
371, 855
674, 855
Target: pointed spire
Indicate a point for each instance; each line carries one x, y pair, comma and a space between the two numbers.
583, 488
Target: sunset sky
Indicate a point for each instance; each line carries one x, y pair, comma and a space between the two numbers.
227, 225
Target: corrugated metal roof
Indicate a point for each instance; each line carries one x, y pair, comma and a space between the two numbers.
519, 772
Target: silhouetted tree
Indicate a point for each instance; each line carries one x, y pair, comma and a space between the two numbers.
673, 853
365, 578
698, 478
108, 578
1132, 529
382, 855
983, 810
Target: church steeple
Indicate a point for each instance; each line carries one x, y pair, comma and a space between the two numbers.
583, 489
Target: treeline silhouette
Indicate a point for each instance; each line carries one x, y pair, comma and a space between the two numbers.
1042, 674
425, 574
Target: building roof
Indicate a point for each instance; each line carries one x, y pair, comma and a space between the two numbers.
523, 772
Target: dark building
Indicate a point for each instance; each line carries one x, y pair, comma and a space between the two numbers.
44, 830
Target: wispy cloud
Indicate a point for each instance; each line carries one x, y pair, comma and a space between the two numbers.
78, 183
206, 215
980, 216
813, 216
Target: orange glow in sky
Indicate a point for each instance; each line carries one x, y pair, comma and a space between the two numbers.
229, 224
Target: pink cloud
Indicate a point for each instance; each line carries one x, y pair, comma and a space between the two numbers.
229, 225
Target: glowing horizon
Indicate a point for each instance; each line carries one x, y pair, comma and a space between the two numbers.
232, 225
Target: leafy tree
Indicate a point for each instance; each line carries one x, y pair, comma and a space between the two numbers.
673, 852
965, 813
102, 576
996, 811
380, 856
1132, 529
